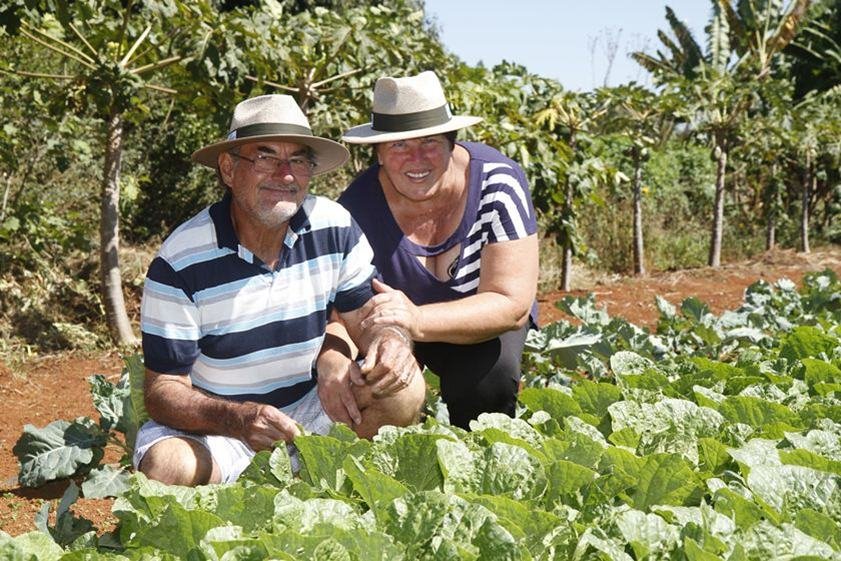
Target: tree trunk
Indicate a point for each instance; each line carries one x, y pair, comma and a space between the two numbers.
718, 212
807, 194
109, 237
8, 182
771, 210
566, 269
639, 253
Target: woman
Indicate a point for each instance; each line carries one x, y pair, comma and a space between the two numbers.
455, 240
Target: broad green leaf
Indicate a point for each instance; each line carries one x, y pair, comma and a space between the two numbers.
670, 425
249, 507
627, 438
594, 397
109, 399
819, 526
411, 459
105, 481
377, 489
758, 413
695, 552
791, 488
61, 449
330, 542
524, 521
817, 371
613, 550
502, 423
432, 524
823, 442
648, 534
618, 460
809, 459
565, 479
303, 516
511, 471
32, 546
177, 531
743, 511
460, 466
712, 455
555, 402
666, 479
765, 541
757, 452
807, 342
626, 363
575, 447
321, 460
134, 408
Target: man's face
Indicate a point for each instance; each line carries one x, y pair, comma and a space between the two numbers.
268, 182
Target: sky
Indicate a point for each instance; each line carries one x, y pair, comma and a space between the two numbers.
563, 39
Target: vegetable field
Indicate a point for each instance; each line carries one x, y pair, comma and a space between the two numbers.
710, 436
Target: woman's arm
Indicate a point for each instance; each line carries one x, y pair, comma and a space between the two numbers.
506, 292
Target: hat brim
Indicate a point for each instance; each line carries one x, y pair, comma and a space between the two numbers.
365, 134
329, 154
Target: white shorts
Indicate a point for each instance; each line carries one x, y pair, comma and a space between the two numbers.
230, 454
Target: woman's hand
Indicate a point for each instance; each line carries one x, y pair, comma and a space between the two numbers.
392, 307
389, 364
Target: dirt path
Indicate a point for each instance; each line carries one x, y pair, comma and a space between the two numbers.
55, 387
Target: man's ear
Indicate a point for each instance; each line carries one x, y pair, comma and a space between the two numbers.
226, 168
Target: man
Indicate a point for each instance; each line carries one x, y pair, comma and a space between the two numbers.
236, 303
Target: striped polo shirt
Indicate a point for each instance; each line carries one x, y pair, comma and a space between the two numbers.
214, 311
499, 208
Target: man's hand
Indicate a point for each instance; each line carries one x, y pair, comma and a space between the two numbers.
389, 363
336, 373
262, 425
392, 307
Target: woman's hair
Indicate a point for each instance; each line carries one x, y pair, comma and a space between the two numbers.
451, 137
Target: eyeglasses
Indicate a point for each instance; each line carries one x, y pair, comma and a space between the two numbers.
300, 166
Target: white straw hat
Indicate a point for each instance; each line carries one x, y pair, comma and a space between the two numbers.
408, 107
274, 118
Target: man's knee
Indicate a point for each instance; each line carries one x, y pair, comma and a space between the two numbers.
180, 461
401, 409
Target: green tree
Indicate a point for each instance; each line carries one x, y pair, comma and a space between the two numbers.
111, 52
645, 119
743, 43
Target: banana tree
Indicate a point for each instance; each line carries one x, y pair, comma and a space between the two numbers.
111, 52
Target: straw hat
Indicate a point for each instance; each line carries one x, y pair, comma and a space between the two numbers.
273, 118
408, 107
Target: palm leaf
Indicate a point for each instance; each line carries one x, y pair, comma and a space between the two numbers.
684, 37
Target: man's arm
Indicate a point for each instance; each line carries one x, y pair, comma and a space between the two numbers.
172, 400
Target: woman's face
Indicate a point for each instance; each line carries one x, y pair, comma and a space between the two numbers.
416, 166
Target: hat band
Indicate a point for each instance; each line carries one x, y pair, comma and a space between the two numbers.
264, 129
411, 121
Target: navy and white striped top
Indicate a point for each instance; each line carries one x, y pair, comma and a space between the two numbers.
499, 208
213, 310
